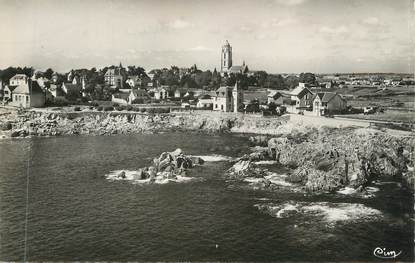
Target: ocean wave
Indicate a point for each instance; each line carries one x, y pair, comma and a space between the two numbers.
329, 212
133, 176
214, 158
266, 162
368, 192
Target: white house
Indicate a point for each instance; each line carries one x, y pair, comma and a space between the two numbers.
301, 97
161, 93
205, 102
28, 94
18, 79
228, 99
328, 102
113, 77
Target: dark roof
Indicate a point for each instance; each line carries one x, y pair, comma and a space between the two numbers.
206, 96
30, 87
70, 86
326, 96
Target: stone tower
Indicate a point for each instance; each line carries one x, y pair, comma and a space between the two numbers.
237, 97
226, 57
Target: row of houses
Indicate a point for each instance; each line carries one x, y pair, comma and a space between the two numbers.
303, 100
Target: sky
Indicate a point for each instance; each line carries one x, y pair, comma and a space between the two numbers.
278, 36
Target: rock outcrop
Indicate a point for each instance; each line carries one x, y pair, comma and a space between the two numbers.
169, 165
333, 158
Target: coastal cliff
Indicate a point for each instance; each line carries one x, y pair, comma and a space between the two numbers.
328, 159
37, 123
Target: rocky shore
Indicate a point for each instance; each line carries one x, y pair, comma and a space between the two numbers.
318, 158
38, 123
328, 159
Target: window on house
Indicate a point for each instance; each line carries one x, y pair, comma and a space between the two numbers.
221, 107
27, 98
216, 106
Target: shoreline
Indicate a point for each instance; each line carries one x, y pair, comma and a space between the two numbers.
323, 154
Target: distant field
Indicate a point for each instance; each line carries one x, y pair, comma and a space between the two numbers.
396, 116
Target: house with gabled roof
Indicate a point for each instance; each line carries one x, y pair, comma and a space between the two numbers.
28, 94
18, 79
277, 96
302, 98
328, 103
228, 99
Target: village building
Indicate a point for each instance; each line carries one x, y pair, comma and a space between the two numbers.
328, 103
228, 99
133, 81
7, 92
71, 89
277, 97
205, 102
120, 97
113, 77
27, 95
301, 99
54, 92
161, 93
18, 79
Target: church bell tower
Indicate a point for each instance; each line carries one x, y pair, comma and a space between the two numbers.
226, 57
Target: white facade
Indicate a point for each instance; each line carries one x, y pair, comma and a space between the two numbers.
18, 79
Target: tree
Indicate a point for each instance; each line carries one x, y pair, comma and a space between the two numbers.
48, 73
308, 78
275, 82
291, 81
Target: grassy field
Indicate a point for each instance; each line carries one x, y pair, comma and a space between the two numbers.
395, 116
361, 96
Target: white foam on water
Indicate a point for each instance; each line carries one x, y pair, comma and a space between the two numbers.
334, 212
372, 189
214, 158
278, 179
252, 179
330, 212
266, 162
347, 191
133, 176
279, 211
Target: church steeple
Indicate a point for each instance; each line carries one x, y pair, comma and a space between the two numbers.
226, 57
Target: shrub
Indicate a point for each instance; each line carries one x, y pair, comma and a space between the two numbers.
77, 108
129, 108
100, 108
143, 109
120, 108
94, 103
91, 107
138, 101
108, 108
115, 105
60, 102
